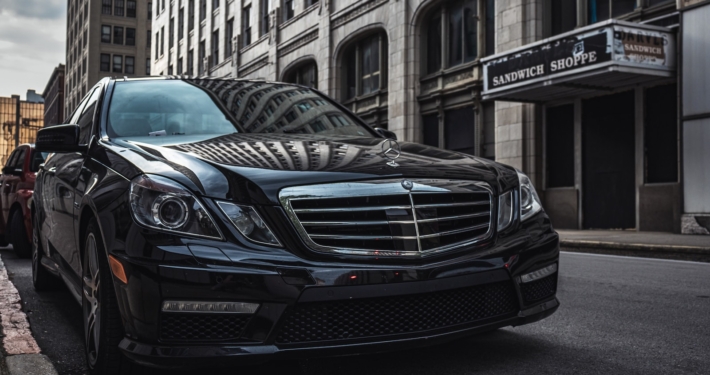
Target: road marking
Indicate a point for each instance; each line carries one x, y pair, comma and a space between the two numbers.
631, 257
15, 327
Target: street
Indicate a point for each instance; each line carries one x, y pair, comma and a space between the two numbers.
617, 315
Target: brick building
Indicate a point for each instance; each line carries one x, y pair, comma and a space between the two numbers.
54, 97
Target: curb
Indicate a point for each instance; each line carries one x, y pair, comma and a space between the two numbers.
694, 253
29, 364
21, 354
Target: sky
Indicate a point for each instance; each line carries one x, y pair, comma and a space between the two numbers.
32, 43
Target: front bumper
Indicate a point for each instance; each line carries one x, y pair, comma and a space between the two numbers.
312, 309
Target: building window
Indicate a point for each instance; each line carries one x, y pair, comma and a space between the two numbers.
559, 146
131, 8
228, 38
201, 58
601, 10
149, 40
157, 45
171, 32
84, 66
117, 35
203, 10
85, 38
117, 64
131, 36
215, 47
147, 67
490, 27
305, 74
364, 62
215, 4
170, 70
162, 41
190, 63
563, 17
118, 8
106, 6
162, 6
179, 66
310, 2
130, 65
181, 23
150, 11
246, 26
459, 33
191, 15
105, 34
288, 10
263, 17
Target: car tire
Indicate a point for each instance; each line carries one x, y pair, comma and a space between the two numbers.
42, 279
20, 243
103, 329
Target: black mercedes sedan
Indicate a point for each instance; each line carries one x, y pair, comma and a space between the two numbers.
208, 222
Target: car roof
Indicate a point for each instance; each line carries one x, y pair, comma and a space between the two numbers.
189, 78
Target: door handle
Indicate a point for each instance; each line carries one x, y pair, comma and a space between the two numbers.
52, 170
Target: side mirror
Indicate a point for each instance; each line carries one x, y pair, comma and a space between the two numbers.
60, 139
386, 133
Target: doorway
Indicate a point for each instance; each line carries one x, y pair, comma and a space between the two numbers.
608, 162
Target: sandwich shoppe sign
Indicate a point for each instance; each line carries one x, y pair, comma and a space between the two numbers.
571, 53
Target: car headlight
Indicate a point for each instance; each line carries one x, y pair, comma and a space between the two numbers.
529, 201
505, 210
249, 223
163, 204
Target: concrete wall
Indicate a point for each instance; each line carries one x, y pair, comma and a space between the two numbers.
562, 205
659, 208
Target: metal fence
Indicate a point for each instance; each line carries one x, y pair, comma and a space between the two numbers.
20, 121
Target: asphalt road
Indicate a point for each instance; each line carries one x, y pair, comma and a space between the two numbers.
617, 316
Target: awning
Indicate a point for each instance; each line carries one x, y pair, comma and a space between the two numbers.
600, 58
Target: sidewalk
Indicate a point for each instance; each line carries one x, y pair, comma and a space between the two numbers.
643, 244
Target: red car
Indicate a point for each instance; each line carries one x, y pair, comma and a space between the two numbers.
17, 183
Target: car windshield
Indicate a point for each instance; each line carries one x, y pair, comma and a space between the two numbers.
179, 111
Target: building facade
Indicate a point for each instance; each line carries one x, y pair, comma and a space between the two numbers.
605, 152
105, 38
54, 97
20, 120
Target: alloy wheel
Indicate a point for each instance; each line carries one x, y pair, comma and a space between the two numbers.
92, 300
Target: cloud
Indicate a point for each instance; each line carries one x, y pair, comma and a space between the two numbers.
35, 9
32, 43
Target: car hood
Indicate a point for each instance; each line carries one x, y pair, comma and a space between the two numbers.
253, 168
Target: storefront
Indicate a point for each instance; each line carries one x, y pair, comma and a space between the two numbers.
608, 99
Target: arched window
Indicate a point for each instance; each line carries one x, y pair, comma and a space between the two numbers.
451, 35
304, 74
365, 65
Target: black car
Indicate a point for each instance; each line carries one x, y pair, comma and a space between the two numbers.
203, 222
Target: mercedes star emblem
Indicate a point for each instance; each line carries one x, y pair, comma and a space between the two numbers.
407, 184
391, 151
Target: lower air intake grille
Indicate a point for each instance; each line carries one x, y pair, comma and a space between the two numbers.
539, 289
372, 317
199, 327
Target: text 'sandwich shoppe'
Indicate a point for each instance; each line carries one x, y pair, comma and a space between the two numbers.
609, 95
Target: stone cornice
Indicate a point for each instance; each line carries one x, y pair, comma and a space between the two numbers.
353, 12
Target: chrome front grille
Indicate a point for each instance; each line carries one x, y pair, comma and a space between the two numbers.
382, 218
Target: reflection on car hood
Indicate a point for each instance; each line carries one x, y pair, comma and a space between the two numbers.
274, 161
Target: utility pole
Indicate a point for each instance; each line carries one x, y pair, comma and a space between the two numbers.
17, 120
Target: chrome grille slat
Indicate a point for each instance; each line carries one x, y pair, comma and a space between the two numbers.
455, 231
382, 218
457, 217
436, 205
343, 237
353, 223
346, 209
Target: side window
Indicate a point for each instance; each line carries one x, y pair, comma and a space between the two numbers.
37, 159
87, 116
10, 160
77, 112
20, 160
